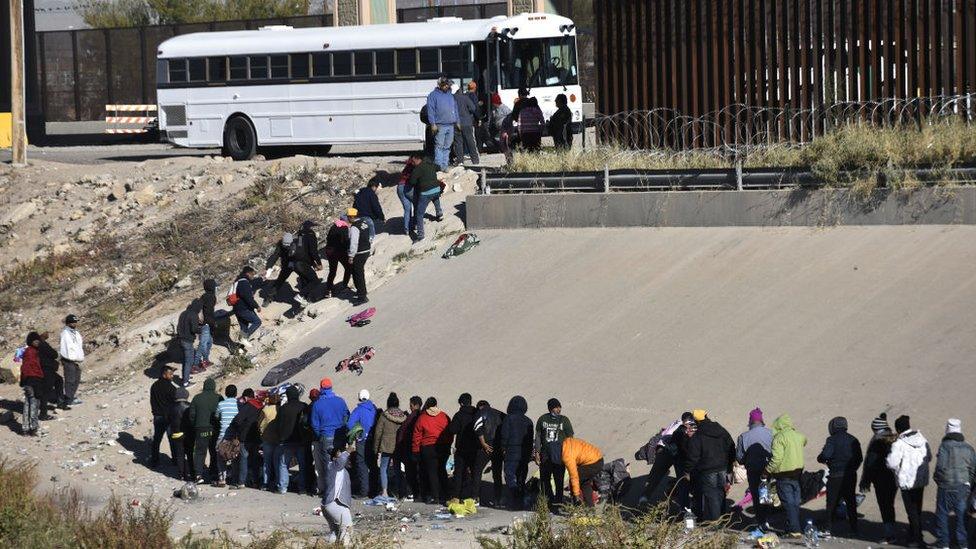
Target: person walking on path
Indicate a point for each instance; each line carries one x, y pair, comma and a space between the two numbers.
32, 382
426, 189
178, 430
298, 253
955, 475
753, 450
405, 453
369, 207
465, 448
72, 351
442, 114
909, 459
516, 442
162, 395
786, 466
246, 309
336, 248
487, 427
842, 456
711, 455
337, 498
550, 431
358, 252
187, 329
361, 422
877, 475
432, 440
385, 445
203, 408
292, 435
329, 414
584, 463
208, 306
464, 138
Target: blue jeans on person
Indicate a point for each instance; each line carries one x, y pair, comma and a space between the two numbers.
372, 227
360, 484
417, 226
248, 320
951, 499
789, 496
189, 353
443, 142
206, 343
242, 467
386, 463
407, 201
270, 452
287, 451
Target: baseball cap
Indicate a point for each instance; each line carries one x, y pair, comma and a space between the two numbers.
352, 212
71, 319
364, 395
326, 383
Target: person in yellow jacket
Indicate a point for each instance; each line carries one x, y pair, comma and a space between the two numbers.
583, 462
786, 466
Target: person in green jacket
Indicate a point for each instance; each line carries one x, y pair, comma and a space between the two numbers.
203, 407
786, 466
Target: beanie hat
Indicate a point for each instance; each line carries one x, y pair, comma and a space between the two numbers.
352, 212
363, 395
496, 99
314, 394
326, 383
880, 423
553, 403
699, 414
953, 426
182, 394
287, 239
756, 416
902, 424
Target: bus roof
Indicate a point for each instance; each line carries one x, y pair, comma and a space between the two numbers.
283, 39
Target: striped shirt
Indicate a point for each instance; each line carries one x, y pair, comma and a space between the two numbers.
226, 412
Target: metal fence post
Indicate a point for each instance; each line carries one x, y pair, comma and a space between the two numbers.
738, 175
606, 178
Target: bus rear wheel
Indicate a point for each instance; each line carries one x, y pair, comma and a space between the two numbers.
240, 143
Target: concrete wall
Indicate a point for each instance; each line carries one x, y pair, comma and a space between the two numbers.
927, 206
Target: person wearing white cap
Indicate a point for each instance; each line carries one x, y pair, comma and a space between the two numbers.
955, 473
360, 423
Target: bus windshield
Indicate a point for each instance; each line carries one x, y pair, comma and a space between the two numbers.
539, 62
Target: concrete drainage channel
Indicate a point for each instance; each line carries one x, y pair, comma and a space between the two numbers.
708, 198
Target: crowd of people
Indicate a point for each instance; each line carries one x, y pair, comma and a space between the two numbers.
45, 390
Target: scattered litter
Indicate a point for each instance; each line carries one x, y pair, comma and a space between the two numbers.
768, 541
362, 318
462, 244
111, 468
135, 503
356, 362
462, 509
443, 516
187, 492
317, 511
438, 527
127, 452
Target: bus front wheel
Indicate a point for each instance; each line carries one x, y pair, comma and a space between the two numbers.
240, 143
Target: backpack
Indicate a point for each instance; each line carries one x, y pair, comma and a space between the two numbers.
614, 481
232, 297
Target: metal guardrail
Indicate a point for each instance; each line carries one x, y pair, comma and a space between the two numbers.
682, 180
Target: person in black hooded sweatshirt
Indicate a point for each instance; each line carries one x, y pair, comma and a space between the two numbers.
187, 328
292, 436
842, 455
711, 454
53, 382
465, 448
516, 438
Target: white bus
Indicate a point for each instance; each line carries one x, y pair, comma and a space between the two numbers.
282, 86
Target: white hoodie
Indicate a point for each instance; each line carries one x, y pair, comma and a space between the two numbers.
909, 460
72, 347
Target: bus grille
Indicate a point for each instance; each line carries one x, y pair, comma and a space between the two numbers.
175, 115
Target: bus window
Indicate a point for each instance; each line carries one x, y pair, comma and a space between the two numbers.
342, 63
451, 61
364, 63
321, 65
539, 62
430, 61
238, 68
217, 69
177, 70
279, 66
198, 69
259, 67
299, 65
384, 62
406, 62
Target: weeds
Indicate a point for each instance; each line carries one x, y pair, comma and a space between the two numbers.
236, 364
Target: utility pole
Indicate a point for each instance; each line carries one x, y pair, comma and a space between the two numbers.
17, 107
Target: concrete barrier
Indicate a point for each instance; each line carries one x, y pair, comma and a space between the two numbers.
798, 207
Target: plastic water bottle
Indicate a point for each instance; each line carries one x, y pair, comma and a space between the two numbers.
811, 538
690, 520
764, 498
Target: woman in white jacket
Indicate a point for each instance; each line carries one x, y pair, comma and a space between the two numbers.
909, 460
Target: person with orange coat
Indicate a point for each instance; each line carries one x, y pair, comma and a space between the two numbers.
584, 463
432, 440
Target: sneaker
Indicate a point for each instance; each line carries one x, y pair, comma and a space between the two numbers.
220, 484
301, 301
189, 384
360, 301
234, 486
408, 499
245, 343
439, 218
75, 402
199, 480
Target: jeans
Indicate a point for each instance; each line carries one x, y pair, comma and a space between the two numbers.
31, 412
407, 203
160, 423
359, 274
189, 353
335, 258
287, 451
387, 463
72, 378
552, 473
464, 474
176, 448
240, 465
754, 477
464, 141
516, 469
319, 465
711, 493
412, 466
483, 459
206, 343
951, 499
248, 320
789, 495
913, 508
842, 489
443, 141
372, 227
434, 459
270, 452
201, 445
360, 478
421, 202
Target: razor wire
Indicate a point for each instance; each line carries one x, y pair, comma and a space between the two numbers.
737, 129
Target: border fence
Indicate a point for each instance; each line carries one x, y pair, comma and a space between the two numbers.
79, 72
713, 73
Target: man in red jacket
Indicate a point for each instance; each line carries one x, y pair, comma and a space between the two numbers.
32, 380
432, 440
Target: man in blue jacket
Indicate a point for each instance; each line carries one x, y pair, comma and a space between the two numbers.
369, 207
442, 113
329, 414
361, 423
